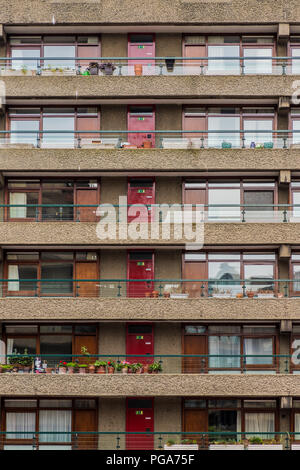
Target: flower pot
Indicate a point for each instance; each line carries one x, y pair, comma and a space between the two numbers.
111, 370
147, 144
92, 369
250, 295
139, 371
82, 370
101, 370
155, 294
62, 370
138, 69
70, 370
226, 447
239, 296
49, 370
27, 369
146, 368
125, 370
148, 294
166, 295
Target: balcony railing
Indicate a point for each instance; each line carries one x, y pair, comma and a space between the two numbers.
147, 213
147, 139
149, 363
168, 139
129, 66
166, 289
161, 441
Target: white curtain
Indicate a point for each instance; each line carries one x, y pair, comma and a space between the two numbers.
258, 66
296, 135
55, 421
225, 66
18, 212
260, 346
296, 62
229, 345
258, 125
18, 423
260, 423
224, 123
297, 426
13, 273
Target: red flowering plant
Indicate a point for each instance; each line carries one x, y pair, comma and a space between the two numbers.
62, 364
111, 364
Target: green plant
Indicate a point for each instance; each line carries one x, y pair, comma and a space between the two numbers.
155, 366
255, 440
82, 365
62, 364
24, 70
111, 364
170, 442
72, 364
22, 359
188, 441
6, 366
100, 364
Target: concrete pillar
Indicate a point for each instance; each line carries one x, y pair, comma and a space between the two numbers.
112, 417
167, 418
167, 340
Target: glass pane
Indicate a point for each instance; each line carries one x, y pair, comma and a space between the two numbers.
296, 60
60, 256
26, 138
195, 403
21, 199
20, 425
222, 64
85, 404
21, 329
56, 328
224, 197
55, 403
51, 421
259, 346
21, 346
258, 197
260, 423
29, 64
263, 275
66, 52
62, 272
58, 198
296, 201
296, 277
58, 124
252, 138
22, 278
194, 329
227, 272
224, 346
223, 420
85, 329
20, 403
61, 346
258, 65
224, 123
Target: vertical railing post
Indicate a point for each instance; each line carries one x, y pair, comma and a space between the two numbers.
286, 290
285, 142
160, 69
79, 142
119, 289
243, 215
244, 289
243, 67
202, 142
38, 140
160, 446
38, 67
75, 441
34, 442
285, 215
120, 69
118, 442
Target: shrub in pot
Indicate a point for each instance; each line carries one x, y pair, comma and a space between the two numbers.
62, 367
111, 366
82, 368
107, 68
100, 366
155, 367
72, 366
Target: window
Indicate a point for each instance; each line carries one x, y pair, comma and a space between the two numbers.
20, 425
260, 423
51, 421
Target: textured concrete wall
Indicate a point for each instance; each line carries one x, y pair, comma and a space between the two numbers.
167, 340
112, 338
168, 117
112, 417
168, 190
101, 309
84, 233
113, 117
149, 11
168, 45
114, 45
188, 87
168, 385
112, 189
167, 265
75, 160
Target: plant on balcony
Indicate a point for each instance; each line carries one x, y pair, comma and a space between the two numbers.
155, 367
136, 368
23, 362
5, 368
62, 367
111, 367
229, 444
123, 367
72, 366
82, 368
256, 443
250, 294
100, 367
107, 68
184, 444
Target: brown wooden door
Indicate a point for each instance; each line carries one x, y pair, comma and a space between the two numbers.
89, 341
195, 270
87, 271
85, 421
194, 123
88, 124
195, 344
86, 197
194, 51
196, 421
87, 51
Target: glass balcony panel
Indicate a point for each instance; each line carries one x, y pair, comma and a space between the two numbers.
29, 64
59, 51
28, 137
225, 123
258, 66
224, 345
252, 138
223, 65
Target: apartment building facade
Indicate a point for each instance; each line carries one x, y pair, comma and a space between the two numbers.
170, 105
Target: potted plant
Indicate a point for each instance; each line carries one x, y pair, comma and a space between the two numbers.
138, 69
72, 366
62, 367
107, 68
256, 443
155, 294
123, 367
111, 366
226, 445
226, 145
184, 444
250, 294
100, 366
5, 368
49, 370
82, 368
137, 368
170, 64
155, 367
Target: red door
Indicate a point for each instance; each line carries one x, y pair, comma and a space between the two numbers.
139, 340
139, 419
142, 119
141, 191
141, 45
140, 266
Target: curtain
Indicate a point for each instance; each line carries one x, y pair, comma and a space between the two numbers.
18, 212
297, 425
229, 345
258, 346
224, 123
18, 423
260, 422
296, 135
55, 421
258, 66
224, 66
13, 273
254, 125
296, 62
